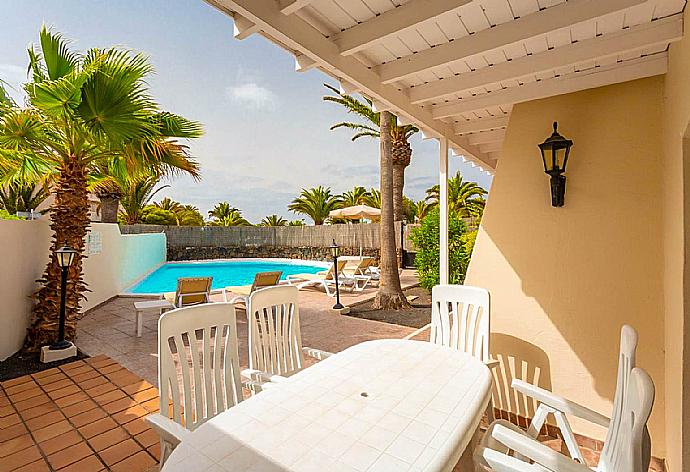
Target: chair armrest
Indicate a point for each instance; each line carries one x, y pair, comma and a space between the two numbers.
316, 353
534, 450
559, 403
168, 430
261, 376
492, 364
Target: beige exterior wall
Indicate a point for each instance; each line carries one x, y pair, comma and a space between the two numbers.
122, 260
564, 280
675, 230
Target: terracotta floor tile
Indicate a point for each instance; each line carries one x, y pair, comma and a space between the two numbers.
109, 438
46, 373
93, 382
90, 464
87, 417
38, 411
12, 432
129, 414
87, 375
139, 462
145, 395
155, 451
101, 389
69, 455
124, 379
33, 391
119, 405
44, 420
60, 442
49, 432
65, 391
140, 386
7, 410
20, 458
97, 427
18, 381
72, 366
31, 402
62, 383
71, 399
109, 369
152, 405
137, 426
9, 391
9, 420
51, 379
109, 397
39, 466
17, 444
147, 438
119, 452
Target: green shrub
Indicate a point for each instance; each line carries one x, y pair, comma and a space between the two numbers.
157, 216
5, 215
426, 239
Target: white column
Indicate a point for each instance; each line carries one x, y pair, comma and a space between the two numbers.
443, 207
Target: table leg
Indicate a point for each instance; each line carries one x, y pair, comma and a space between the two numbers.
140, 323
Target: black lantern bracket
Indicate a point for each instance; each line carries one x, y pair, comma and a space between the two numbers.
555, 151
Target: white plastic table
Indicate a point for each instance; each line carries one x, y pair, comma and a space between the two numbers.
386, 405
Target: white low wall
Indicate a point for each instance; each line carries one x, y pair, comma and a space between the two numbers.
114, 262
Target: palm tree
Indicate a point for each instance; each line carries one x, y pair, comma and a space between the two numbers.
373, 198
83, 110
273, 220
23, 196
233, 218
296, 223
466, 199
356, 196
136, 195
189, 215
316, 203
422, 208
389, 295
221, 210
168, 204
400, 135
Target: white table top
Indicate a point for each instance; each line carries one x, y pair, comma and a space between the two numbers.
386, 405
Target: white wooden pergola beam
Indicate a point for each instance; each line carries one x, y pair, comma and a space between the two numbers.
288, 7
658, 32
243, 28
486, 137
544, 21
298, 35
648, 66
491, 147
304, 63
483, 124
393, 22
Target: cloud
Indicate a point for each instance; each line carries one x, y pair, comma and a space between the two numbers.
252, 96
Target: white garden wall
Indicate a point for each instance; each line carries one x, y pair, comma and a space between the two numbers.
114, 262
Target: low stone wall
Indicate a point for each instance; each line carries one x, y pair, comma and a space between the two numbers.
177, 253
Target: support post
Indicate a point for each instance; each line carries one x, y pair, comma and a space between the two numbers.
443, 210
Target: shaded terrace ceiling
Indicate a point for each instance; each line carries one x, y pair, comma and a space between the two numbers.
455, 68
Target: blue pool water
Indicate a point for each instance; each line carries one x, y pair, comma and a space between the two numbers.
224, 273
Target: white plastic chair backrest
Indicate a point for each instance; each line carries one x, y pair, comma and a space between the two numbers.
618, 437
460, 318
275, 341
198, 344
630, 449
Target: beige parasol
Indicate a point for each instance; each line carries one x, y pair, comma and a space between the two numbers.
357, 212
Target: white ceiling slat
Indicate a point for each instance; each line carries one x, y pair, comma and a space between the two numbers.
660, 32
243, 28
521, 8
636, 69
490, 147
298, 35
542, 22
390, 23
357, 9
485, 124
288, 7
474, 19
487, 137
497, 11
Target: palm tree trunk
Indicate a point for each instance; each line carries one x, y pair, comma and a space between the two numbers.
389, 295
69, 222
402, 156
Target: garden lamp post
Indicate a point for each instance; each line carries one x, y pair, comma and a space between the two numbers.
335, 252
65, 256
554, 153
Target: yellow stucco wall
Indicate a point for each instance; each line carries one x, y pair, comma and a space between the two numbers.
676, 179
564, 280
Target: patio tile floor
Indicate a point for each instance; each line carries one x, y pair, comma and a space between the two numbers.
58, 420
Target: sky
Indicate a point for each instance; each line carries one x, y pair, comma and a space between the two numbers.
266, 126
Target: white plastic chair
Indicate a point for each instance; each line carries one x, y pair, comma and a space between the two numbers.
275, 340
198, 343
506, 448
460, 319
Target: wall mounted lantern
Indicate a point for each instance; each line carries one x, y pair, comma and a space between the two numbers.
554, 152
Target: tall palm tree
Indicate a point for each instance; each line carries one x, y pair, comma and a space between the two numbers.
316, 203
233, 218
273, 220
400, 135
221, 210
82, 110
422, 208
373, 198
135, 196
466, 199
169, 204
389, 295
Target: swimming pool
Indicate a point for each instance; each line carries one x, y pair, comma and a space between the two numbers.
224, 272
